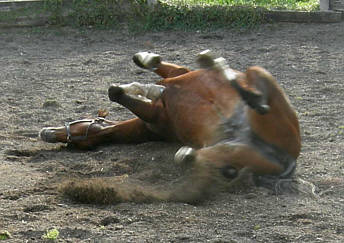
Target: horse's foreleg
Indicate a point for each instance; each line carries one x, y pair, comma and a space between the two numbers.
139, 99
169, 70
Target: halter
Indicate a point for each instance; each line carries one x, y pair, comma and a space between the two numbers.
71, 138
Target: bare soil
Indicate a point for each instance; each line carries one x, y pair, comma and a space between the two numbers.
52, 75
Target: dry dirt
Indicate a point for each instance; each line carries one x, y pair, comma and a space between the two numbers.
52, 75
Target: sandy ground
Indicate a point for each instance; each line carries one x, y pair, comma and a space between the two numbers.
52, 75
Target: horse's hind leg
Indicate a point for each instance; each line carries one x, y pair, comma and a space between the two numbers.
152, 61
87, 134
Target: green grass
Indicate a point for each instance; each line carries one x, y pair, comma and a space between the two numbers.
185, 15
305, 5
52, 235
138, 17
5, 235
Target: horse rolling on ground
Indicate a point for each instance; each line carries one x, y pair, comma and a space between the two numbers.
231, 124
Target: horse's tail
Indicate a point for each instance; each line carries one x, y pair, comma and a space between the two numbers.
192, 188
101, 191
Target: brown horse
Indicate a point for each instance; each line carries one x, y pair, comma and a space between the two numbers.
228, 121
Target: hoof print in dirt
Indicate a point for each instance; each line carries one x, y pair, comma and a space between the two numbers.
37, 208
51, 104
109, 220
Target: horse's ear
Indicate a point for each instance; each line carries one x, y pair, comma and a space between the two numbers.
253, 90
258, 77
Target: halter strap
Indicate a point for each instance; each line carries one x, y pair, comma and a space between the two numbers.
71, 138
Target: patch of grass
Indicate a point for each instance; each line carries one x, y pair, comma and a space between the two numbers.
52, 234
34, 10
184, 17
341, 130
306, 5
5, 235
98, 13
137, 16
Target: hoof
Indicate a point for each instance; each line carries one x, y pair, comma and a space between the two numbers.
81, 133
147, 60
263, 109
185, 156
254, 99
205, 59
48, 135
115, 92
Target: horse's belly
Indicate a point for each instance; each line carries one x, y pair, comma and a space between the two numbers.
195, 110
195, 122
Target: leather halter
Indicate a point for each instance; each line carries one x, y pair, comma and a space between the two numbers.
71, 138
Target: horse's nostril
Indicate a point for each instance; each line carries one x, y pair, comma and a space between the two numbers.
115, 92
229, 172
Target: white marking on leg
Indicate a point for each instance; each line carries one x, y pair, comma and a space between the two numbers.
144, 92
205, 60
221, 65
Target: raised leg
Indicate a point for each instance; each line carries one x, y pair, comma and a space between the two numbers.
139, 99
250, 89
152, 61
254, 92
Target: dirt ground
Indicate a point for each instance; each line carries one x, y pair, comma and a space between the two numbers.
52, 75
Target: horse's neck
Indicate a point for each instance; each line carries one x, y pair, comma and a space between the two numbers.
280, 126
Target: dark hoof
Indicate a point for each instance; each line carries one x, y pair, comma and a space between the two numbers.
48, 135
256, 101
115, 92
138, 62
262, 109
147, 60
205, 59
